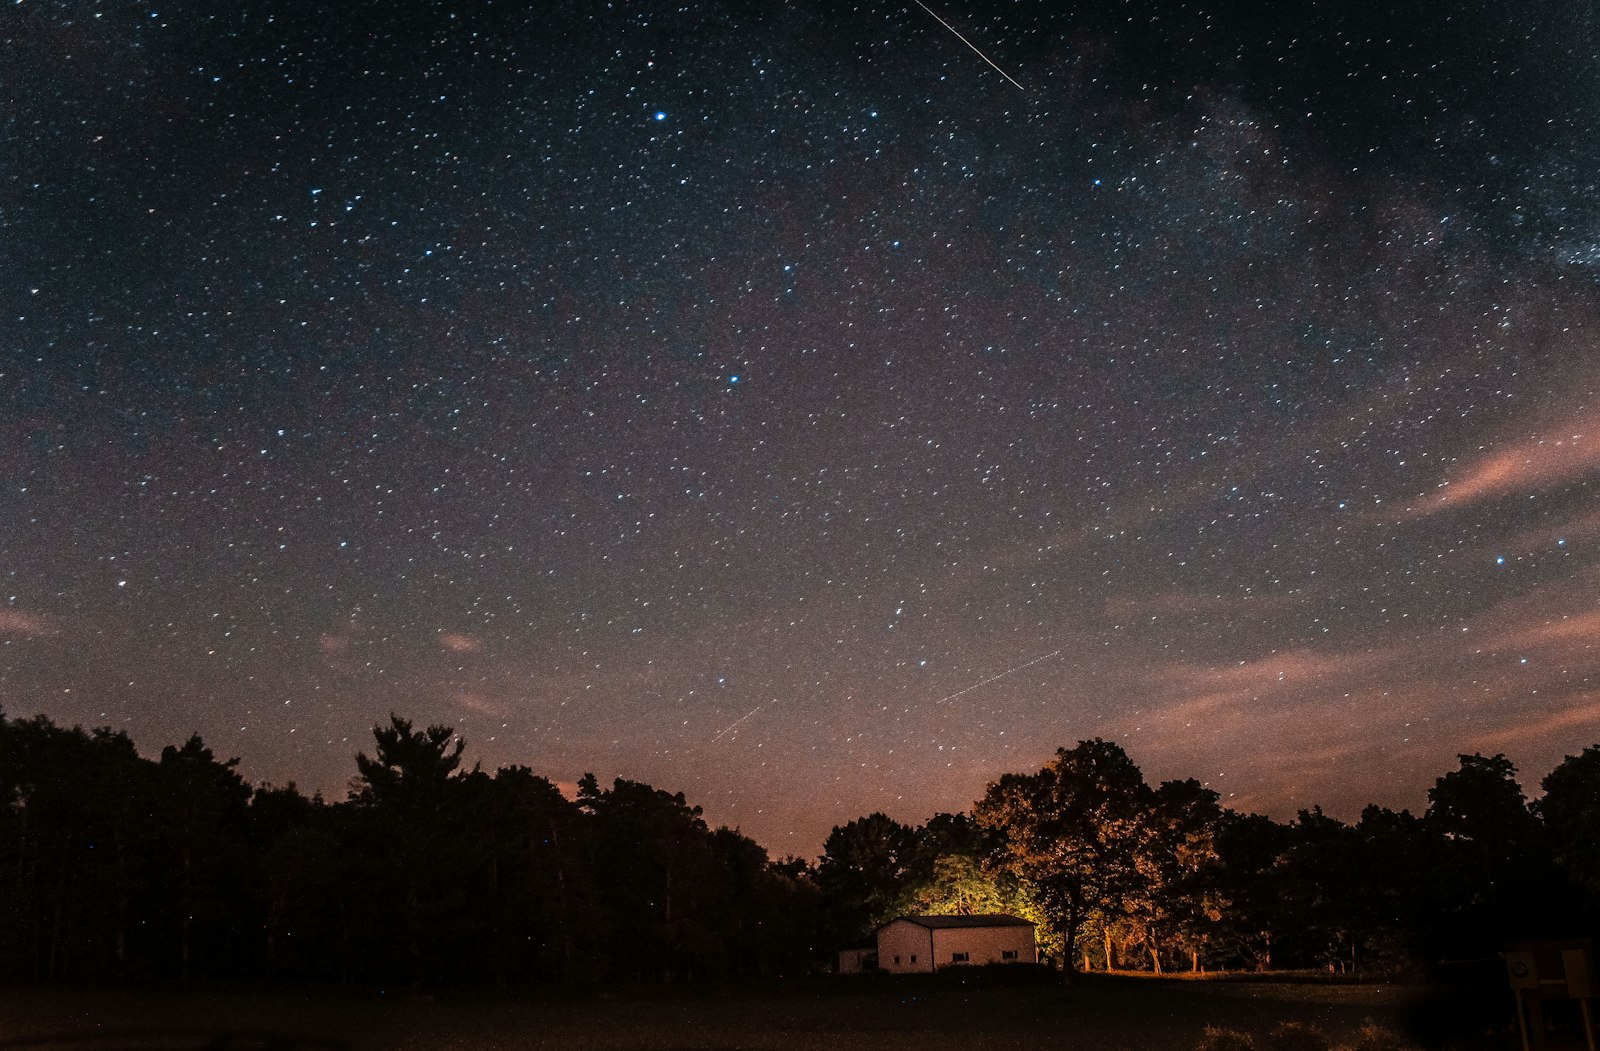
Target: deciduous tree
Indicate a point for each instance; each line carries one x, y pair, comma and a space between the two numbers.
1072, 832
1570, 809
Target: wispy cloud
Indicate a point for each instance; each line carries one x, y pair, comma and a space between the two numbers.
1563, 630
27, 625
338, 642
459, 642
480, 705
1309, 724
1582, 527
1189, 603
1291, 669
1526, 465
1582, 712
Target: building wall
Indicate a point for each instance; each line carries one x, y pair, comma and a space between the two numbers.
904, 948
983, 945
854, 961
908, 948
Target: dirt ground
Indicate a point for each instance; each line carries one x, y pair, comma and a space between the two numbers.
883, 1014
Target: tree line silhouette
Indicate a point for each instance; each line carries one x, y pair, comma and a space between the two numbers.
1134, 877
115, 867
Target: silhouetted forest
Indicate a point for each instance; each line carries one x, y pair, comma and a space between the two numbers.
115, 867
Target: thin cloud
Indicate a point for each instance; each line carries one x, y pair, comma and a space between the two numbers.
1526, 466
1291, 669
1309, 725
26, 625
1584, 713
339, 640
480, 705
1582, 629
1189, 603
459, 642
1583, 527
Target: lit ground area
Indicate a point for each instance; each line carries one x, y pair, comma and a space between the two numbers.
1102, 1014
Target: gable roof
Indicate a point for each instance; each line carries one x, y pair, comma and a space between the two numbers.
992, 919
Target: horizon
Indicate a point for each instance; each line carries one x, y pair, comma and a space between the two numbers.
1529, 781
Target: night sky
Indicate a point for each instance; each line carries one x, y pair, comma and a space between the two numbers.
774, 403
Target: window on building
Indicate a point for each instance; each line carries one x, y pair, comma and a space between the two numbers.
958, 957
897, 959
913, 957
1008, 954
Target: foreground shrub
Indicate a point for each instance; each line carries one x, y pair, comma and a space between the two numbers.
1374, 1037
1217, 1039
1299, 1036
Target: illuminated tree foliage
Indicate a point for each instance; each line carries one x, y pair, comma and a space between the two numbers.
1172, 901
1073, 833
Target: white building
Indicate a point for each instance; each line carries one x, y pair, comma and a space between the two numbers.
913, 944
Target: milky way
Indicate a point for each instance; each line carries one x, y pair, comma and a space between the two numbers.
586, 376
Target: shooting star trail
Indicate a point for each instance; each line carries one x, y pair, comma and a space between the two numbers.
992, 678
731, 726
726, 730
974, 47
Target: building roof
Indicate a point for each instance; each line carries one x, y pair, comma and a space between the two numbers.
992, 919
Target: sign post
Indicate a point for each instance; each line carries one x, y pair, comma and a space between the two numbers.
1553, 983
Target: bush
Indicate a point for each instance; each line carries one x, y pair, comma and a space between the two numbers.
1374, 1037
1299, 1036
1225, 1040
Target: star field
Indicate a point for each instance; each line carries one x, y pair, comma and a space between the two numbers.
746, 398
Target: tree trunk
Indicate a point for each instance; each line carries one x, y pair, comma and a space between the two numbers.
561, 901
1111, 953
186, 913
666, 928
1155, 955
23, 907
53, 960
275, 912
413, 940
124, 905
1069, 937
344, 940
497, 927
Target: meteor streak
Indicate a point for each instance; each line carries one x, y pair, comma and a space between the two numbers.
729, 728
992, 678
726, 730
974, 47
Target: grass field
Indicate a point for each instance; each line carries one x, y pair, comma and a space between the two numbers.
973, 1013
